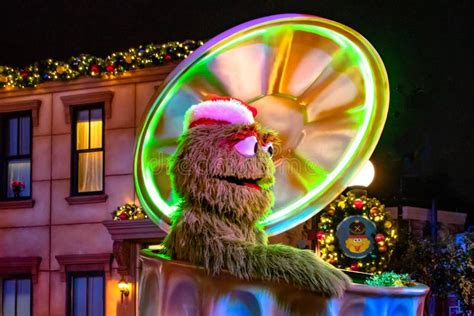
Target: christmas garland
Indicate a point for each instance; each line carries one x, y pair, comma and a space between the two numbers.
87, 65
128, 212
357, 209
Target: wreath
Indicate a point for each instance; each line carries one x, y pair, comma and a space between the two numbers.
356, 233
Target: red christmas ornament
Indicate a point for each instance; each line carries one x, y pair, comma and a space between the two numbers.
123, 216
355, 266
358, 203
168, 57
24, 74
110, 68
379, 237
320, 235
95, 68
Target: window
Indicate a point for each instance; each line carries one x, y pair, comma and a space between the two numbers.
16, 296
88, 150
15, 155
85, 294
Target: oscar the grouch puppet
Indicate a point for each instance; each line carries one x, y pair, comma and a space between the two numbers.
222, 172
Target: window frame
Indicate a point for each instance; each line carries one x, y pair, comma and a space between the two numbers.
17, 277
74, 190
70, 293
4, 158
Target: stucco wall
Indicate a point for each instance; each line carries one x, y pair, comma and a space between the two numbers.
53, 227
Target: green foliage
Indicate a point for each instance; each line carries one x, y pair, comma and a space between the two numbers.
446, 267
390, 279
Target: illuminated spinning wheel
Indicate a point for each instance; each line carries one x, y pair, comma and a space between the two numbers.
320, 84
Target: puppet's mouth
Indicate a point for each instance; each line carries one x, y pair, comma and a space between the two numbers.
251, 183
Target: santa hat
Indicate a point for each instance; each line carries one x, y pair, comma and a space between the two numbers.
219, 110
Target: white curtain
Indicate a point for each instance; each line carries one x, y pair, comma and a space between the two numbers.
19, 170
96, 134
90, 172
82, 135
90, 164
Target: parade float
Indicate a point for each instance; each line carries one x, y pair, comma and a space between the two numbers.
323, 88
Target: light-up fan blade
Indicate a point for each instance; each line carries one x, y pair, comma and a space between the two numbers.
320, 84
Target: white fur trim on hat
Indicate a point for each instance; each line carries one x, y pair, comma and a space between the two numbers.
231, 111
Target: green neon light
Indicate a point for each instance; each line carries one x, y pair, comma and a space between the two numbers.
368, 79
374, 108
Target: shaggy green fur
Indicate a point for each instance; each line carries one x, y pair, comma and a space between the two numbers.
216, 223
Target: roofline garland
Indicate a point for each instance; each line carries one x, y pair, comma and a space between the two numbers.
91, 66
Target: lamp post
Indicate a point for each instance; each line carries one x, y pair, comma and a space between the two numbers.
365, 177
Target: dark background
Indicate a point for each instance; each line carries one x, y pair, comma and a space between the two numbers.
427, 148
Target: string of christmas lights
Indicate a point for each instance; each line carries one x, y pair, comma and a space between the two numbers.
370, 208
87, 65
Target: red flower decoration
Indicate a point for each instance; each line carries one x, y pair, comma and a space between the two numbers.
17, 184
110, 68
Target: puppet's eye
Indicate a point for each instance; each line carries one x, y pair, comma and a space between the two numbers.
268, 148
247, 147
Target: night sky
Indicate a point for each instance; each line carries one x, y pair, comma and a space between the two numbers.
428, 142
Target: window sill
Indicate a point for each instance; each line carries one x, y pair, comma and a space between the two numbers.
87, 199
17, 204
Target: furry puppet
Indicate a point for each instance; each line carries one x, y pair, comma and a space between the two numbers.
223, 171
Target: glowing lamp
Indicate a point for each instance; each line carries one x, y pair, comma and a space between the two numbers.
124, 288
365, 177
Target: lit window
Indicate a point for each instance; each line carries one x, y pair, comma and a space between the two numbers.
86, 294
88, 150
15, 155
15, 296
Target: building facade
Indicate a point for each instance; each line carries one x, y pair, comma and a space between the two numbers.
66, 165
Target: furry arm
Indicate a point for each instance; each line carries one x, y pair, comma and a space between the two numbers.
212, 243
